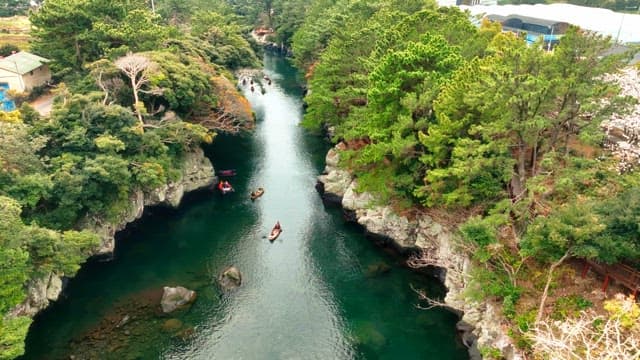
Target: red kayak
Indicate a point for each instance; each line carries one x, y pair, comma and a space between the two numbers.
225, 187
229, 172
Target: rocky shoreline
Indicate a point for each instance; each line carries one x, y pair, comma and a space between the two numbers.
480, 323
197, 173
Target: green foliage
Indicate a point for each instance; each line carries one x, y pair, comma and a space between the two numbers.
8, 49
91, 153
526, 320
82, 31
569, 306
575, 229
184, 87
13, 331
28, 251
230, 48
490, 353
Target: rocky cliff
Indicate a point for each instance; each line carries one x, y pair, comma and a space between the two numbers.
197, 173
481, 323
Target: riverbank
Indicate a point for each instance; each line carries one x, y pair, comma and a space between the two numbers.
321, 289
434, 243
197, 172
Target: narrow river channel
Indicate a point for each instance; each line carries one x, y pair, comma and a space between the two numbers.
320, 291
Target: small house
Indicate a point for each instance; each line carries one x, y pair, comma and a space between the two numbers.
532, 28
24, 71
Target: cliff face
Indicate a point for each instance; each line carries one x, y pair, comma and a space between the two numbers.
481, 324
197, 173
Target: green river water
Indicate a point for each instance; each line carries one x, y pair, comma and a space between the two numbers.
320, 291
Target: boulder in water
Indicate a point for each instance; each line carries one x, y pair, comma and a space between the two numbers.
377, 269
230, 278
176, 297
368, 335
172, 325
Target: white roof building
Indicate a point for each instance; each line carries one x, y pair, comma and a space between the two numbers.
625, 28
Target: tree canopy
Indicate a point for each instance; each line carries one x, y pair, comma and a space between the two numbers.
435, 112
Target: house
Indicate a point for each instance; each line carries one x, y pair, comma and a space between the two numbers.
532, 28
23, 71
474, 2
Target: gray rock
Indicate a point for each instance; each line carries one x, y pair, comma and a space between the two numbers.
481, 324
197, 173
335, 181
176, 297
230, 278
54, 288
354, 200
125, 319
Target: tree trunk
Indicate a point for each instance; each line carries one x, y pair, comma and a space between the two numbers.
545, 293
518, 179
135, 101
77, 47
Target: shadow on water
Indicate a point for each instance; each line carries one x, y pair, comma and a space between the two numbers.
320, 291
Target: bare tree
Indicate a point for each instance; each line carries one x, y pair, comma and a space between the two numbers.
136, 67
431, 303
590, 336
545, 292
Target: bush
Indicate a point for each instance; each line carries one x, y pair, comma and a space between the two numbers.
8, 49
569, 306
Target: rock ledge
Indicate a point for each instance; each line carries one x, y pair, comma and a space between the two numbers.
481, 323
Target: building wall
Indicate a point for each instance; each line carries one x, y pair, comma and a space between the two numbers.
37, 77
13, 79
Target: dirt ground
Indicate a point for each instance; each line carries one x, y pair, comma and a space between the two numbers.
43, 104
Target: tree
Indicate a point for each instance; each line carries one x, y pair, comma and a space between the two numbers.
61, 30
105, 74
137, 67
79, 31
572, 230
230, 48
523, 104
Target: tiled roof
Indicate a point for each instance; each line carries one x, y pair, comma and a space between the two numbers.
22, 62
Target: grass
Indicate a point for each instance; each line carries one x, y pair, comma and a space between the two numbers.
21, 41
15, 24
15, 31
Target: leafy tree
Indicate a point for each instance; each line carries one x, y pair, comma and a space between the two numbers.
13, 331
81, 31
522, 105
571, 230
8, 49
139, 30
27, 251
13, 7
62, 32
231, 49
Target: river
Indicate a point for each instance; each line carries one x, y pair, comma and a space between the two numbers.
320, 291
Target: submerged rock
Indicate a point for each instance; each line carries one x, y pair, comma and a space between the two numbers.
368, 335
171, 325
230, 278
124, 321
176, 297
377, 269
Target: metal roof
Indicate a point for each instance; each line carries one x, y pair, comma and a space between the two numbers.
525, 19
22, 62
